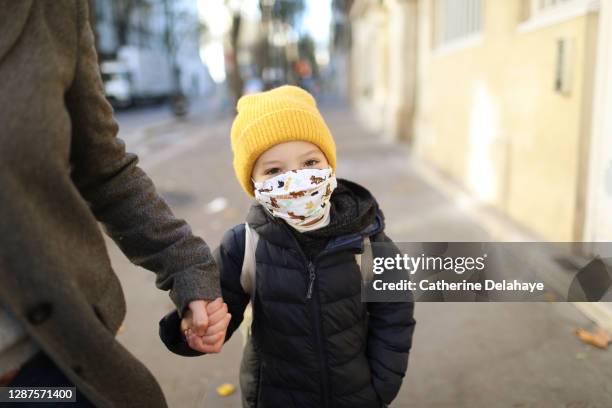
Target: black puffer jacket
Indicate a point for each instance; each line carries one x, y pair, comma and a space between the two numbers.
314, 343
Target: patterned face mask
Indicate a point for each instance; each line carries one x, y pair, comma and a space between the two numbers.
300, 197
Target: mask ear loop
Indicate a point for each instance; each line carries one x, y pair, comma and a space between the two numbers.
255, 183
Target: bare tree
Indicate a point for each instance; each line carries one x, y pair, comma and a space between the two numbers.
236, 82
123, 12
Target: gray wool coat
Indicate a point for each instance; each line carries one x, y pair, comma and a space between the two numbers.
62, 169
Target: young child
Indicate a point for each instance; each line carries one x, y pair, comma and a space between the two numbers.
314, 343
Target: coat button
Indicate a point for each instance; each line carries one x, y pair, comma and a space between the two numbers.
39, 313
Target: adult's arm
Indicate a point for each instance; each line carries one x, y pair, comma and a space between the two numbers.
121, 196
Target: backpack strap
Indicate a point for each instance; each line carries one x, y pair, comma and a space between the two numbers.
366, 272
247, 281
247, 274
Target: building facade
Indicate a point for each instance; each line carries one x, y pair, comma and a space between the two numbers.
511, 99
498, 95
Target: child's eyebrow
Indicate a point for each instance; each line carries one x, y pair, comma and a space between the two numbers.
270, 162
308, 153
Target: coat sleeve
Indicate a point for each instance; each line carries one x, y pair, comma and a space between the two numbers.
390, 329
121, 196
229, 256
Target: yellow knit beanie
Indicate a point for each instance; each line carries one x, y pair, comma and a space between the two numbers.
265, 119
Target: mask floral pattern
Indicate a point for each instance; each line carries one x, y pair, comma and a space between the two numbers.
300, 197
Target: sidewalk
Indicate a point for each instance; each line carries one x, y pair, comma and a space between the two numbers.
464, 355
148, 128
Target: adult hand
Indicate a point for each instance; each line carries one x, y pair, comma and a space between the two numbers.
217, 321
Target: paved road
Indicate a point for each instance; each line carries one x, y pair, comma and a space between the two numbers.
464, 355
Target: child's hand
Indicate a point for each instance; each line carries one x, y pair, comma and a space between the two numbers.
211, 340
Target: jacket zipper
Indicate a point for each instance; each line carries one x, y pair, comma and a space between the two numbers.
315, 308
312, 276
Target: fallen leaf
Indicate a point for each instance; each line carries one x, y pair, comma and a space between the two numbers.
226, 389
599, 338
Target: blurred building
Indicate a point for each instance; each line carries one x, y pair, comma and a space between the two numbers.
509, 98
187, 32
170, 30
383, 63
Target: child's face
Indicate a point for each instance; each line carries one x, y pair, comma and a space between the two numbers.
288, 156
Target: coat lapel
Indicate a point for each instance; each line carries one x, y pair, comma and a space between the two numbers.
13, 17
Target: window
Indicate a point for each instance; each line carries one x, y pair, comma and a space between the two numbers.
543, 5
536, 14
457, 20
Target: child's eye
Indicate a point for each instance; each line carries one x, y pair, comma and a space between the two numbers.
273, 170
311, 162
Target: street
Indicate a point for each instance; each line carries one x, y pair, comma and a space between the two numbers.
464, 354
